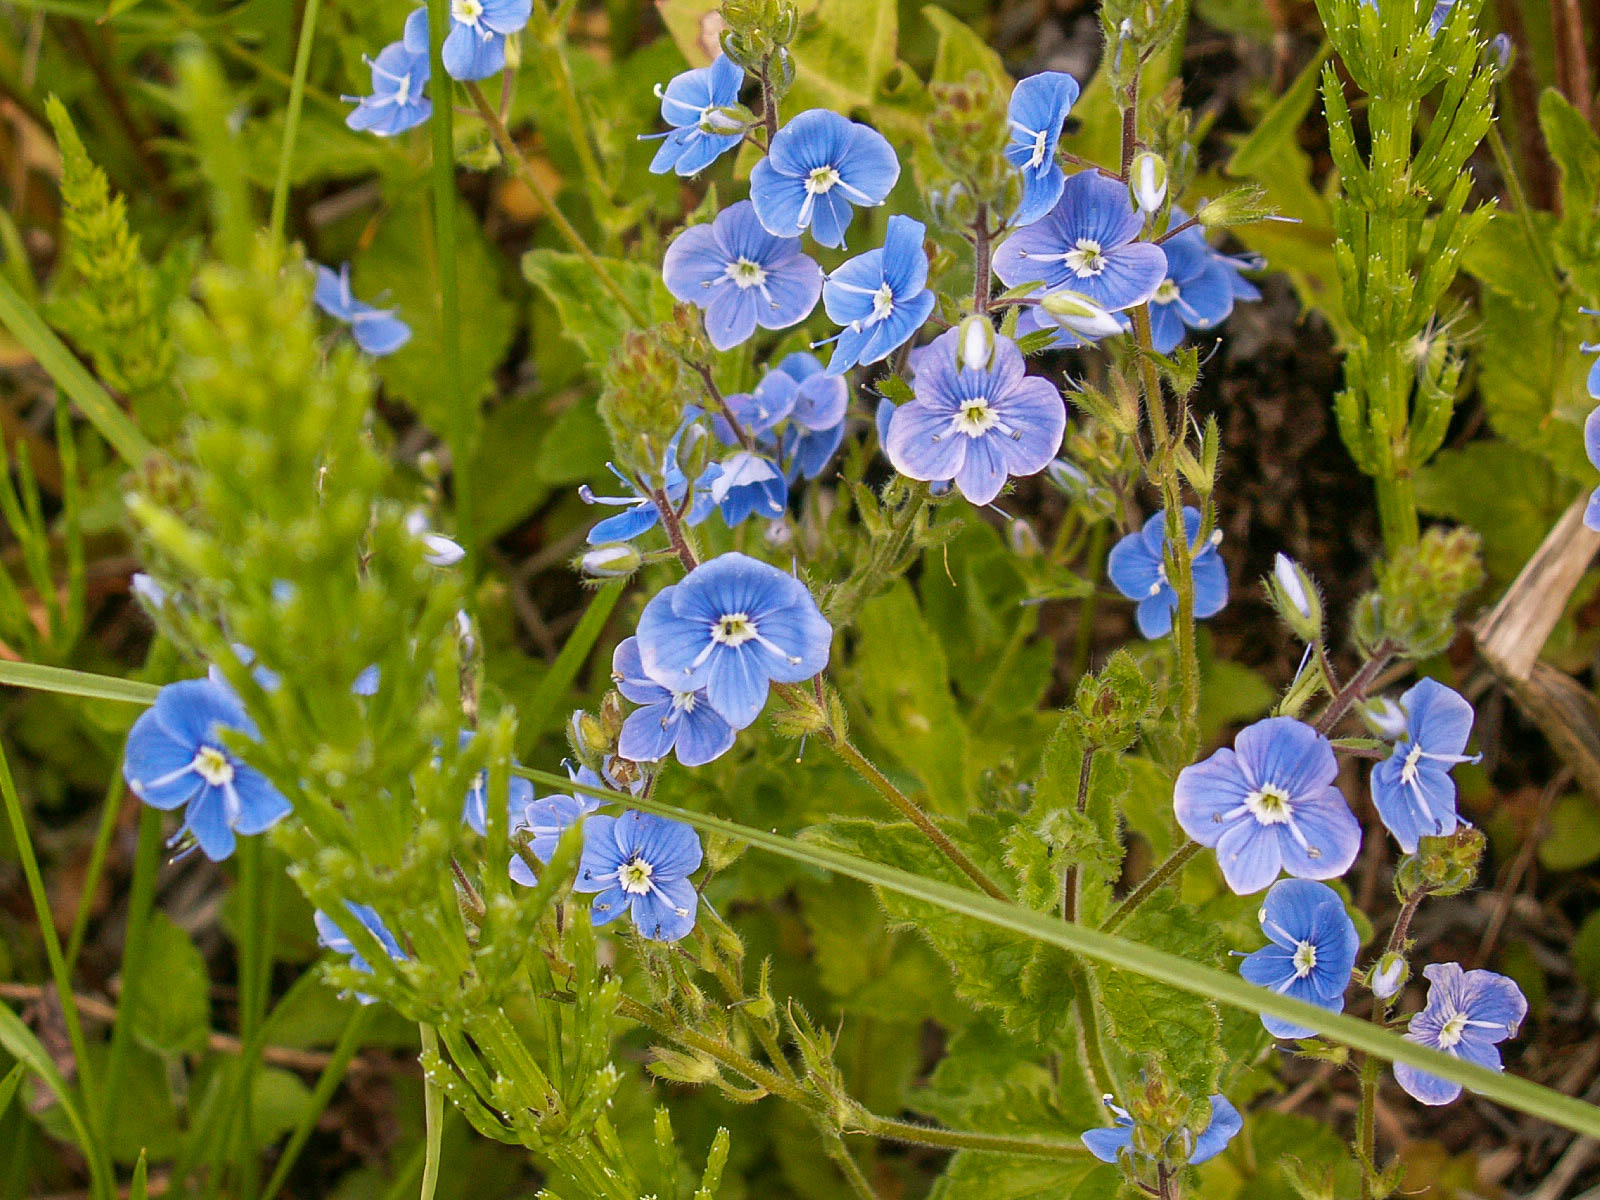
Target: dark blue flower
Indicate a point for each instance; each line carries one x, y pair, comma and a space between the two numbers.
818, 168
399, 74
640, 864
976, 426
1137, 567
1313, 946
377, 331
1039, 106
666, 721
1269, 805
1412, 788
175, 757
745, 484
1110, 1143
816, 422
1086, 244
1467, 1013
880, 297
332, 937
689, 103
741, 275
732, 626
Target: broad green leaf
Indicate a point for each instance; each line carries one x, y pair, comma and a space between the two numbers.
1573, 837
171, 1003
1274, 137
1575, 148
1497, 489
1230, 692
590, 316
961, 50
973, 1176
1286, 1145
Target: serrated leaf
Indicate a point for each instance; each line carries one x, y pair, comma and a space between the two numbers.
590, 316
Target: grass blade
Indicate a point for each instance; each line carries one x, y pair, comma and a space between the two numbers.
67, 682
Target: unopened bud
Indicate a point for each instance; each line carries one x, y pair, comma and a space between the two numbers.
1024, 541
1075, 311
1388, 975
976, 343
1384, 717
1502, 51
1295, 596
1147, 180
1241, 206
588, 734
611, 562
611, 716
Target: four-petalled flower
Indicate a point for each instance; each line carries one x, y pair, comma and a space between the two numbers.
666, 721
880, 297
1467, 1013
1412, 788
700, 134
1039, 105
399, 75
1312, 947
640, 863
376, 330
819, 167
1137, 567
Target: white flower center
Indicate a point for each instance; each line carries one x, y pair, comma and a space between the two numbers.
882, 303
733, 629
976, 417
466, 12
821, 180
213, 766
634, 876
1037, 156
1305, 960
683, 701
1269, 804
1167, 293
1450, 1032
1085, 258
745, 274
1408, 769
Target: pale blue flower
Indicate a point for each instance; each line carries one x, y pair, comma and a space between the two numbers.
818, 168
880, 297
1269, 804
544, 820
741, 275
475, 810
976, 426
333, 938
733, 626
399, 75
1199, 290
689, 103
1137, 567
1086, 244
1110, 1143
1312, 946
1467, 1013
666, 721
1412, 788
475, 47
1039, 106
639, 863
377, 331
176, 757
1591, 446
816, 422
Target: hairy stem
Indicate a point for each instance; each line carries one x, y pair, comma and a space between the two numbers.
1152, 883
1072, 881
914, 1134
1355, 689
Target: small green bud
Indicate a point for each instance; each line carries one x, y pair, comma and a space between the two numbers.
644, 396
1388, 975
587, 734
1295, 596
1147, 181
976, 342
1114, 703
1442, 866
1075, 311
616, 561
1241, 206
680, 1067
612, 715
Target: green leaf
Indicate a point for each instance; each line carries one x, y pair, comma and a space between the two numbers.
961, 50
1284, 1144
171, 1002
1276, 132
1574, 147
843, 56
77, 683
8, 1087
1497, 489
1229, 693
19, 1041
972, 1176
590, 316
1573, 838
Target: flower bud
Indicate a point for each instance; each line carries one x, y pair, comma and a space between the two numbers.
611, 716
1024, 541
150, 593
1241, 206
1294, 594
610, 562
1501, 50
1384, 717
1147, 180
1388, 975
1075, 311
976, 342
588, 735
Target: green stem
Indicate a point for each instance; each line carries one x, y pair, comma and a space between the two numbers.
1152, 883
1094, 1051
327, 1083
1366, 1123
52, 948
291, 120
109, 808
911, 1133
141, 899
848, 1167
846, 603
1519, 202
1072, 880
433, 1115
569, 232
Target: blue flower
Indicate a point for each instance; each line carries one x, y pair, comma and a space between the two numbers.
399, 74
1466, 1014
1412, 788
1110, 1143
1313, 946
741, 275
667, 721
639, 512
1269, 805
880, 297
1039, 106
475, 47
175, 757
819, 166
761, 411
640, 863
1198, 292
1591, 446
475, 811
689, 103
730, 628
976, 426
377, 331
746, 483
544, 820
1086, 244
331, 936
1137, 567
816, 422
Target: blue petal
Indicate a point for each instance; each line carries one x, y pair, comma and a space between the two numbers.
1250, 856
667, 912
627, 672
207, 819
1223, 1127
1331, 833
1288, 754
379, 333
1292, 906
469, 56
1107, 1144
778, 199
1439, 718
601, 855
1423, 1087
703, 735
626, 525
1132, 569
157, 766
649, 733
1210, 584
506, 16
261, 806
